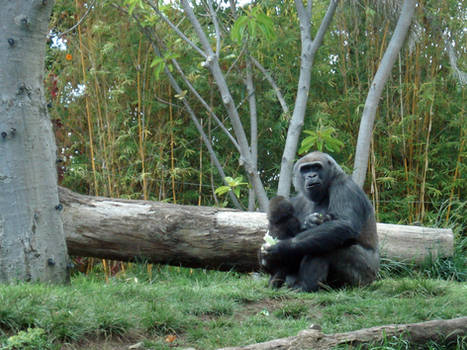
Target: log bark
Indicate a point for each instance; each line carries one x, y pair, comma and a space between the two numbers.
207, 237
441, 331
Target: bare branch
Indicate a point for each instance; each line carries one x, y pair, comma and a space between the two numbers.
190, 111
208, 52
271, 81
205, 104
459, 74
81, 20
440, 331
227, 99
216, 27
318, 40
242, 51
176, 30
202, 101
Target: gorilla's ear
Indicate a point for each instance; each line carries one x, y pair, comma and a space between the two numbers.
333, 164
296, 179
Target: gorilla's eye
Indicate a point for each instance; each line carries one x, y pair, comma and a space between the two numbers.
310, 167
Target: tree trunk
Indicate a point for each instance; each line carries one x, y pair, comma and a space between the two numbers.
376, 89
441, 331
32, 243
202, 236
307, 56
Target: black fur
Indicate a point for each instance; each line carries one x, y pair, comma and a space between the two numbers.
327, 232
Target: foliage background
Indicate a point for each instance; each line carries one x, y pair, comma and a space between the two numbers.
121, 131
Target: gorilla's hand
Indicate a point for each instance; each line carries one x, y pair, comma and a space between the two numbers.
271, 257
315, 219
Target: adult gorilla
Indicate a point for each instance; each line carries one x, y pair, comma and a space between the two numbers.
327, 233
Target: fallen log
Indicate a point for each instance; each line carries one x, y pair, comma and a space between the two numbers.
207, 237
440, 331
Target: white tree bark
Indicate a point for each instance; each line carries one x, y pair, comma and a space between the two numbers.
376, 88
32, 243
203, 236
250, 88
308, 51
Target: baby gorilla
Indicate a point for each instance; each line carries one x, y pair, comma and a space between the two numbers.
284, 224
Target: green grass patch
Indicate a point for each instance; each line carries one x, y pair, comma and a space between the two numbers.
177, 307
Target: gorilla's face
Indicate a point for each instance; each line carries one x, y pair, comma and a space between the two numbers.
312, 175
314, 180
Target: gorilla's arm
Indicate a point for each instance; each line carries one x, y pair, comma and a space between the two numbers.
349, 209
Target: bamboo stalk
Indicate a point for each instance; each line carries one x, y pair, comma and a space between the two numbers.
140, 127
373, 181
383, 42
427, 144
106, 270
172, 160
88, 112
200, 188
161, 150
407, 145
101, 129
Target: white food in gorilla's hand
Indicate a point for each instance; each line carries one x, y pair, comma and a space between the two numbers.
269, 241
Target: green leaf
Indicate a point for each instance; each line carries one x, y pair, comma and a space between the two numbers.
158, 64
308, 143
222, 190
156, 61
266, 25
238, 28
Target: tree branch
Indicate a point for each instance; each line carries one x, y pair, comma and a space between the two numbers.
205, 104
268, 76
213, 64
250, 88
191, 113
459, 74
441, 331
216, 27
176, 30
81, 20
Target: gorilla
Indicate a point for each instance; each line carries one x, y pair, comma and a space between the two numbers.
326, 234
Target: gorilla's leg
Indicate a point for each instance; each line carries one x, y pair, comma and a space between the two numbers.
312, 271
354, 266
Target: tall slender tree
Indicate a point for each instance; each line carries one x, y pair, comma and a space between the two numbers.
376, 89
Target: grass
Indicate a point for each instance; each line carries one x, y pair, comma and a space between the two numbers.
180, 308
